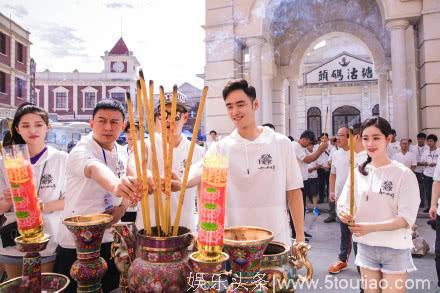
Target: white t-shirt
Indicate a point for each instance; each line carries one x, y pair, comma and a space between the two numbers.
418, 152
341, 166
260, 173
180, 154
313, 174
430, 157
83, 195
50, 186
408, 159
436, 177
393, 148
324, 158
4, 183
385, 193
300, 153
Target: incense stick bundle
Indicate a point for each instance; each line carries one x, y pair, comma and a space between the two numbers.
164, 135
169, 161
351, 172
143, 164
144, 203
189, 160
325, 121
149, 108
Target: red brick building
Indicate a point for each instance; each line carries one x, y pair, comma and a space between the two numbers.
14, 66
71, 96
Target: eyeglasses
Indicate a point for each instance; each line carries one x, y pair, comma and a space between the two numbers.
168, 115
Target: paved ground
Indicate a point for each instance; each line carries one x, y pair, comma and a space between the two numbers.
325, 243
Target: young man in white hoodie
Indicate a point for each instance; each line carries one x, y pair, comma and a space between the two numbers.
263, 172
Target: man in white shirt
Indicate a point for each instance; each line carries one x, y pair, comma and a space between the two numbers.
299, 147
405, 157
429, 161
96, 183
324, 171
339, 174
263, 173
434, 214
393, 146
418, 150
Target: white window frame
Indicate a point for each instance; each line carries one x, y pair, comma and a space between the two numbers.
88, 89
60, 89
37, 92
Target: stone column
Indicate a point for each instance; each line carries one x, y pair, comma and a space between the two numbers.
75, 100
293, 106
383, 94
255, 45
266, 99
398, 63
46, 97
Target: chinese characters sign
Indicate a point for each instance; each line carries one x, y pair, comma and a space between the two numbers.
344, 68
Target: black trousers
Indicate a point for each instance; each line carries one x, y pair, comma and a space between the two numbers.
323, 177
421, 190
427, 182
66, 257
345, 244
292, 227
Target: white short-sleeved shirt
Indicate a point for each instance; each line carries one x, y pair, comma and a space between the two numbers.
180, 154
50, 186
385, 193
260, 173
418, 152
324, 158
393, 148
341, 166
83, 195
430, 157
408, 160
300, 153
436, 177
313, 174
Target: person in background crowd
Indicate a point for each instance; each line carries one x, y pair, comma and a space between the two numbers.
299, 147
30, 126
393, 146
340, 172
429, 161
312, 181
96, 182
270, 125
212, 138
386, 204
407, 158
324, 171
434, 214
419, 150
128, 137
291, 138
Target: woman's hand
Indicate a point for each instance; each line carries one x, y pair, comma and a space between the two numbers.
7, 196
360, 229
346, 218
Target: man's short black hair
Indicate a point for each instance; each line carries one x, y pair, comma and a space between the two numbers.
308, 134
270, 125
393, 132
213, 131
127, 126
241, 84
421, 135
109, 104
433, 137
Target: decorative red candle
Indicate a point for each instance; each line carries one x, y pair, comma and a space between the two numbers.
24, 195
211, 206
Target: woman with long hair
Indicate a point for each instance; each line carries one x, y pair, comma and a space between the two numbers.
30, 126
386, 203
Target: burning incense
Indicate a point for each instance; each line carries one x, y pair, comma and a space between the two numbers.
351, 172
189, 160
144, 202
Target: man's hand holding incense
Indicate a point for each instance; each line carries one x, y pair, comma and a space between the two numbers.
176, 182
128, 187
346, 218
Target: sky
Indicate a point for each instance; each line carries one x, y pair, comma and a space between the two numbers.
165, 35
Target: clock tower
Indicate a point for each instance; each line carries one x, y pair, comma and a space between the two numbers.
119, 60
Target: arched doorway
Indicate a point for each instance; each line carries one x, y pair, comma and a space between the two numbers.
345, 116
314, 120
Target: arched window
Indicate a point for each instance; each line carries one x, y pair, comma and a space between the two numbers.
375, 110
314, 120
345, 116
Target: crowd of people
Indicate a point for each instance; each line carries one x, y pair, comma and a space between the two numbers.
272, 181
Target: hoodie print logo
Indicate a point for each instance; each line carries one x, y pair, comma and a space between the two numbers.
387, 188
182, 167
47, 181
265, 162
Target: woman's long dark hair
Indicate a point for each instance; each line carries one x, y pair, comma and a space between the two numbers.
384, 126
26, 108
